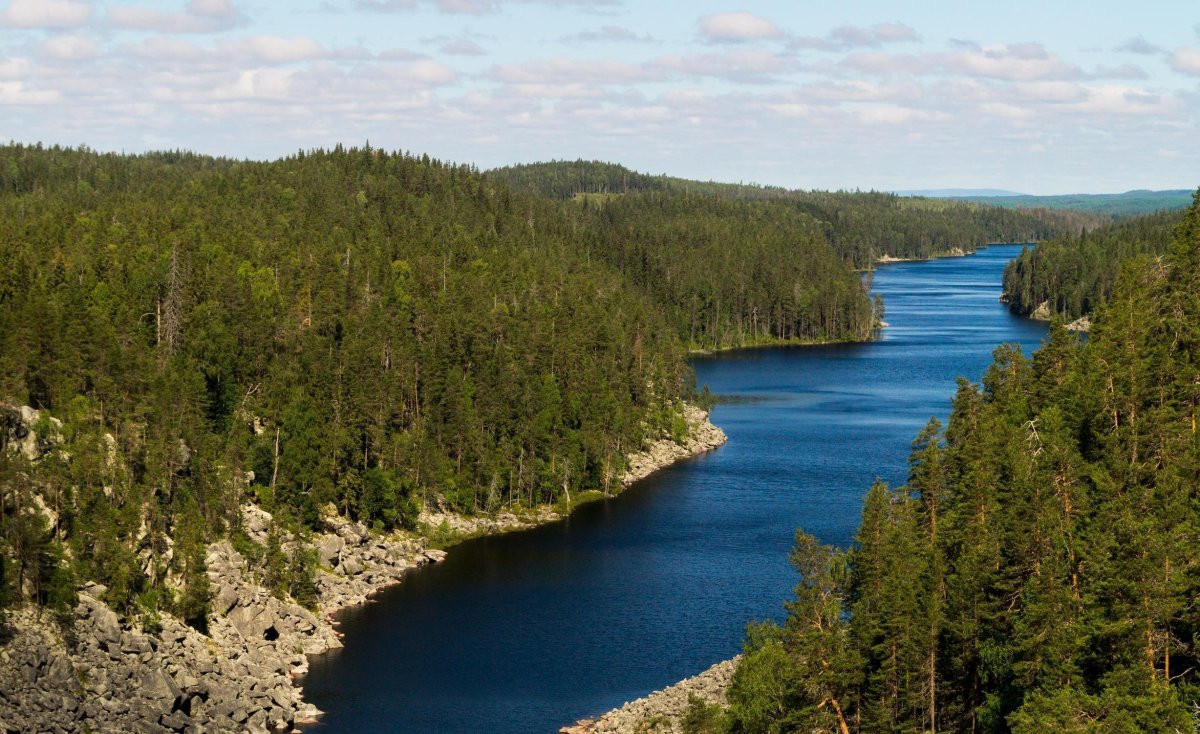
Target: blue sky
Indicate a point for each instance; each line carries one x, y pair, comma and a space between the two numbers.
1054, 96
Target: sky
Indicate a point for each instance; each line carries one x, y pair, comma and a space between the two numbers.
1043, 97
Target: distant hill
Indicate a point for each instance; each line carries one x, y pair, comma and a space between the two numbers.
862, 226
1117, 206
959, 193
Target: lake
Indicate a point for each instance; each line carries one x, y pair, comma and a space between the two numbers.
527, 632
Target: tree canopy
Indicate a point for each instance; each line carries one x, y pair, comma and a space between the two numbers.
1039, 570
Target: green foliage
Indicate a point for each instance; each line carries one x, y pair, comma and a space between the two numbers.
190, 544
1127, 204
731, 273
1075, 275
301, 576
703, 717
860, 226
1039, 571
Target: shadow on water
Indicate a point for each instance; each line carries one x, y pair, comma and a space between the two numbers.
526, 632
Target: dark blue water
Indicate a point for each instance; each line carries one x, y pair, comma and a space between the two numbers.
524, 633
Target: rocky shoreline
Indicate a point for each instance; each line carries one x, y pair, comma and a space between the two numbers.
100, 672
1043, 313
663, 711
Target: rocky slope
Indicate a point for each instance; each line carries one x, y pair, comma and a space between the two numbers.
662, 712
111, 674
101, 672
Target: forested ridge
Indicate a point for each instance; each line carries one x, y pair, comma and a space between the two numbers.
1039, 571
1118, 206
1074, 275
860, 226
732, 273
353, 327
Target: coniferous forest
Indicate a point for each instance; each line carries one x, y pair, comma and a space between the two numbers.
355, 328
860, 226
1074, 275
351, 327
1038, 571
379, 332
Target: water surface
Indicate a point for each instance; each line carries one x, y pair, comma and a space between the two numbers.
523, 633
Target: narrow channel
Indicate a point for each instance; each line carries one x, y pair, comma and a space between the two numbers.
524, 633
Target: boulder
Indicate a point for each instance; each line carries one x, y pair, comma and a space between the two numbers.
226, 599
159, 688
330, 549
108, 627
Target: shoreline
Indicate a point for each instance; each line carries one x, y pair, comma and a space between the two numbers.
703, 436
886, 259
663, 710
151, 673
1043, 313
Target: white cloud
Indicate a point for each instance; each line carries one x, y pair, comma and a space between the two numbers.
1139, 46
608, 33
279, 50
167, 49
1124, 101
1052, 92
1016, 62
849, 37
70, 47
16, 93
564, 71
892, 115
743, 66
469, 7
885, 64
46, 13
1186, 60
463, 47
199, 16
738, 27
213, 8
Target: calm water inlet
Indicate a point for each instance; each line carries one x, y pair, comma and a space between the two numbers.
527, 632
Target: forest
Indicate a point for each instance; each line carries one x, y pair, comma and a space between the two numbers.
1074, 275
731, 273
860, 226
348, 327
1038, 571
1118, 206
372, 332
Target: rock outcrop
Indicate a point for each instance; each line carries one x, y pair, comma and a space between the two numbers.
1083, 324
23, 431
120, 676
662, 712
702, 436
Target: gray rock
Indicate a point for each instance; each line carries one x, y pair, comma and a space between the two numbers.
175, 721
131, 644
158, 687
225, 600
330, 549
351, 566
108, 628
252, 622
60, 673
